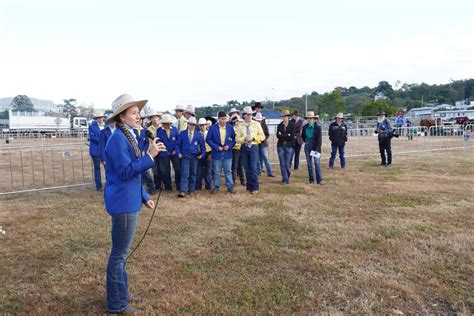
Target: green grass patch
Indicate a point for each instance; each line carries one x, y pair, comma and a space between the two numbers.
283, 189
426, 228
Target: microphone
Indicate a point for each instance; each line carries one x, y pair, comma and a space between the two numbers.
149, 134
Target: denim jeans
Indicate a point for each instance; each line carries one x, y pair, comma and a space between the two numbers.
204, 172
237, 168
123, 231
317, 164
334, 149
296, 163
217, 166
188, 173
284, 156
165, 170
97, 176
250, 161
263, 151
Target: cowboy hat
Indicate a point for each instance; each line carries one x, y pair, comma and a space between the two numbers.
340, 115
166, 118
202, 121
190, 109
124, 102
159, 114
209, 122
233, 110
98, 114
381, 113
180, 108
310, 114
285, 113
247, 110
192, 120
258, 117
212, 119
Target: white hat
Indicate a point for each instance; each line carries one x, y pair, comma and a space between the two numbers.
190, 109
247, 110
166, 119
340, 115
233, 110
258, 117
124, 102
159, 114
99, 114
209, 122
202, 121
180, 108
192, 120
310, 114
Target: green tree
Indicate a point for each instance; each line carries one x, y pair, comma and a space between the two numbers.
385, 88
330, 103
69, 108
4, 114
22, 103
371, 108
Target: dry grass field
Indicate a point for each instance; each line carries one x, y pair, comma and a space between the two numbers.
371, 240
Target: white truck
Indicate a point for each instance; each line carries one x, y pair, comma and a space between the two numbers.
45, 123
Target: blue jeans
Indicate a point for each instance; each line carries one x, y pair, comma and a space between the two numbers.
317, 164
297, 151
284, 156
97, 176
189, 174
334, 149
237, 168
204, 172
165, 170
217, 166
263, 151
123, 231
250, 162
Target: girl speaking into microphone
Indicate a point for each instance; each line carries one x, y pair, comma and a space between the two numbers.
124, 195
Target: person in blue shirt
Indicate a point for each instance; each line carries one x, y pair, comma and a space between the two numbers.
103, 138
124, 195
384, 131
190, 148
221, 138
94, 147
168, 134
399, 123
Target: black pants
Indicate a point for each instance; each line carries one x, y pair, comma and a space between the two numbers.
296, 154
385, 145
237, 168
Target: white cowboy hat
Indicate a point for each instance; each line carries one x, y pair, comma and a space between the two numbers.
233, 110
310, 114
202, 121
124, 102
209, 122
247, 110
340, 115
98, 114
190, 109
258, 117
180, 108
166, 118
192, 120
159, 114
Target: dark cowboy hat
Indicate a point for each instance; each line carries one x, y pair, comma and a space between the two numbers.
210, 118
257, 105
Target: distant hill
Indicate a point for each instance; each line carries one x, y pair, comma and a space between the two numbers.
38, 103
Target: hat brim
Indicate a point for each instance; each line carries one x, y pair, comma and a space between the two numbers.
210, 118
125, 107
314, 116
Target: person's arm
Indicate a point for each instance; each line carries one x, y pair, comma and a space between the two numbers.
280, 131
232, 136
345, 133
259, 135
330, 132
317, 138
292, 132
201, 144
303, 133
178, 144
210, 141
126, 168
265, 130
93, 136
145, 196
102, 142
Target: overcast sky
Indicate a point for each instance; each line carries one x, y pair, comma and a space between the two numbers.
205, 52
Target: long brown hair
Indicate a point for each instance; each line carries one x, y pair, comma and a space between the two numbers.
124, 130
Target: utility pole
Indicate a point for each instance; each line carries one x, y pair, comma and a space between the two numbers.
306, 104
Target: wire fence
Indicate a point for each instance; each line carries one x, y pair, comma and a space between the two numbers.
66, 162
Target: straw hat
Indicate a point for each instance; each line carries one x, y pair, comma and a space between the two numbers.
310, 114
202, 121
208, 122
340, 115
247, 110
98, 114
258, 117
192, 120
180, 108
285, 113
124, 102
166, 119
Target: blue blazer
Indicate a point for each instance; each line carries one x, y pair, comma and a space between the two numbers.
170, 142
103, 137
214, 140
143, 140
94, 134
187, 148
124, 192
